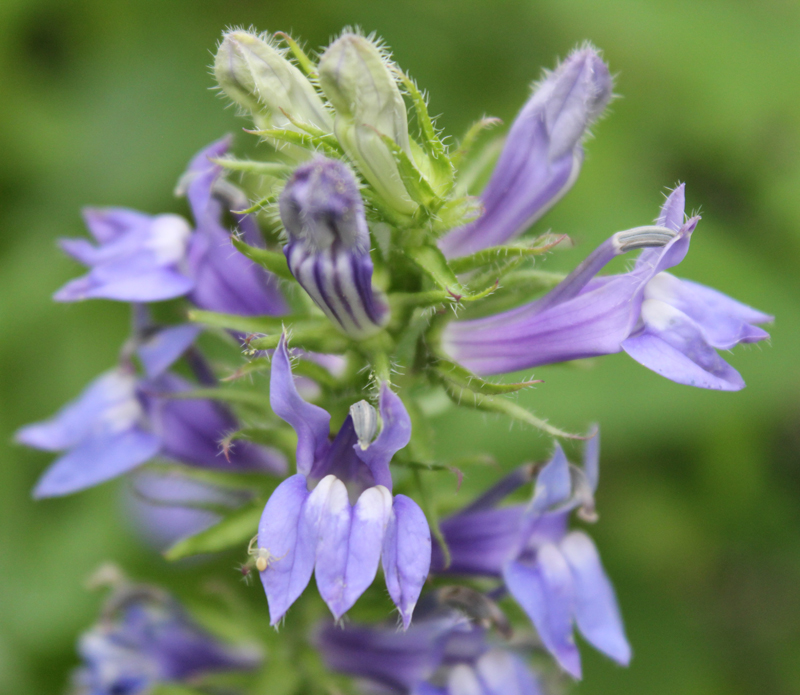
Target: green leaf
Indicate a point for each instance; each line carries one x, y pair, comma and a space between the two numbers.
234, 530
502, 254
495, 404
461, 377
273, 261
468, 141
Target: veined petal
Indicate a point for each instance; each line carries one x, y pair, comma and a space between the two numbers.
395, 434
545, 592
553, 484
154, 286
310, 422
673, 345
596, 610
406, 555
290, 543
96, 460
108, 224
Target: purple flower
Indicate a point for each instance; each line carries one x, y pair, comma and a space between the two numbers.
337, 516
121, 421
144, 258
145, 638
555, 575
671, 326
328, 248
542, 155
440, 654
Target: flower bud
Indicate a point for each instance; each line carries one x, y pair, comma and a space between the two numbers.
328, 249
256, 76
354, 75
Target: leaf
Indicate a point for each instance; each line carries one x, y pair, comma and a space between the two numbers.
501, 254
463, 378
306, 140
234, 530
273, 261
495, 404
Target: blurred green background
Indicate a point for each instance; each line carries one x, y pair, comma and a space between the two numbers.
104, 103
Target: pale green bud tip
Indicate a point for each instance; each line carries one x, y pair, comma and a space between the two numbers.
255, 74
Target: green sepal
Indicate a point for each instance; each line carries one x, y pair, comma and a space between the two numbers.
431, 259
468, 141
251, 166
416, 184
242, 324
237, 482
259, 205
456, 212
273, 261
502, 254
303, 61
224, 395
441, 167
236, 529
315, 334
461, 377
306, 140
280, 438
467, 398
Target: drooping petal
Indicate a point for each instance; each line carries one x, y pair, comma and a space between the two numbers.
108, 224
406, 555
395, 434
724, 321
96, 460
596, 610
107, 405
503, 673
159, 352
291, 543
545, 592
673, 345
310, 422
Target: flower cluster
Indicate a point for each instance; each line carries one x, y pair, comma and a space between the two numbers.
355, 273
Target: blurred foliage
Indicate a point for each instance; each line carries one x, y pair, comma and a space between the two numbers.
104, 103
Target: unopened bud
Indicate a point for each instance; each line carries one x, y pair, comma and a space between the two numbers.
354, 75
255, 75
328, 248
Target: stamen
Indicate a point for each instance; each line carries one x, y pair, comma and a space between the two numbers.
642, 238
365, 422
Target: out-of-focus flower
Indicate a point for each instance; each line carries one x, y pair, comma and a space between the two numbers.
328, 248
144, 638
671, 326
555, 575
354, 74
440, 654
141, 258
256, 75
121, 421
337, 517
542, 155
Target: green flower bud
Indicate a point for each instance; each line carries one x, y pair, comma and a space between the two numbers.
354, 75
255, 75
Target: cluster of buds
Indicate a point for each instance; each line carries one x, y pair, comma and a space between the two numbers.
393, 281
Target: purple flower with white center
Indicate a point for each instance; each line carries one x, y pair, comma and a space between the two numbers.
337, 517
144, 258
671, 326
440, 654
555, 575
140, 258
145, 638
328, 248
121, 421
542, 155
